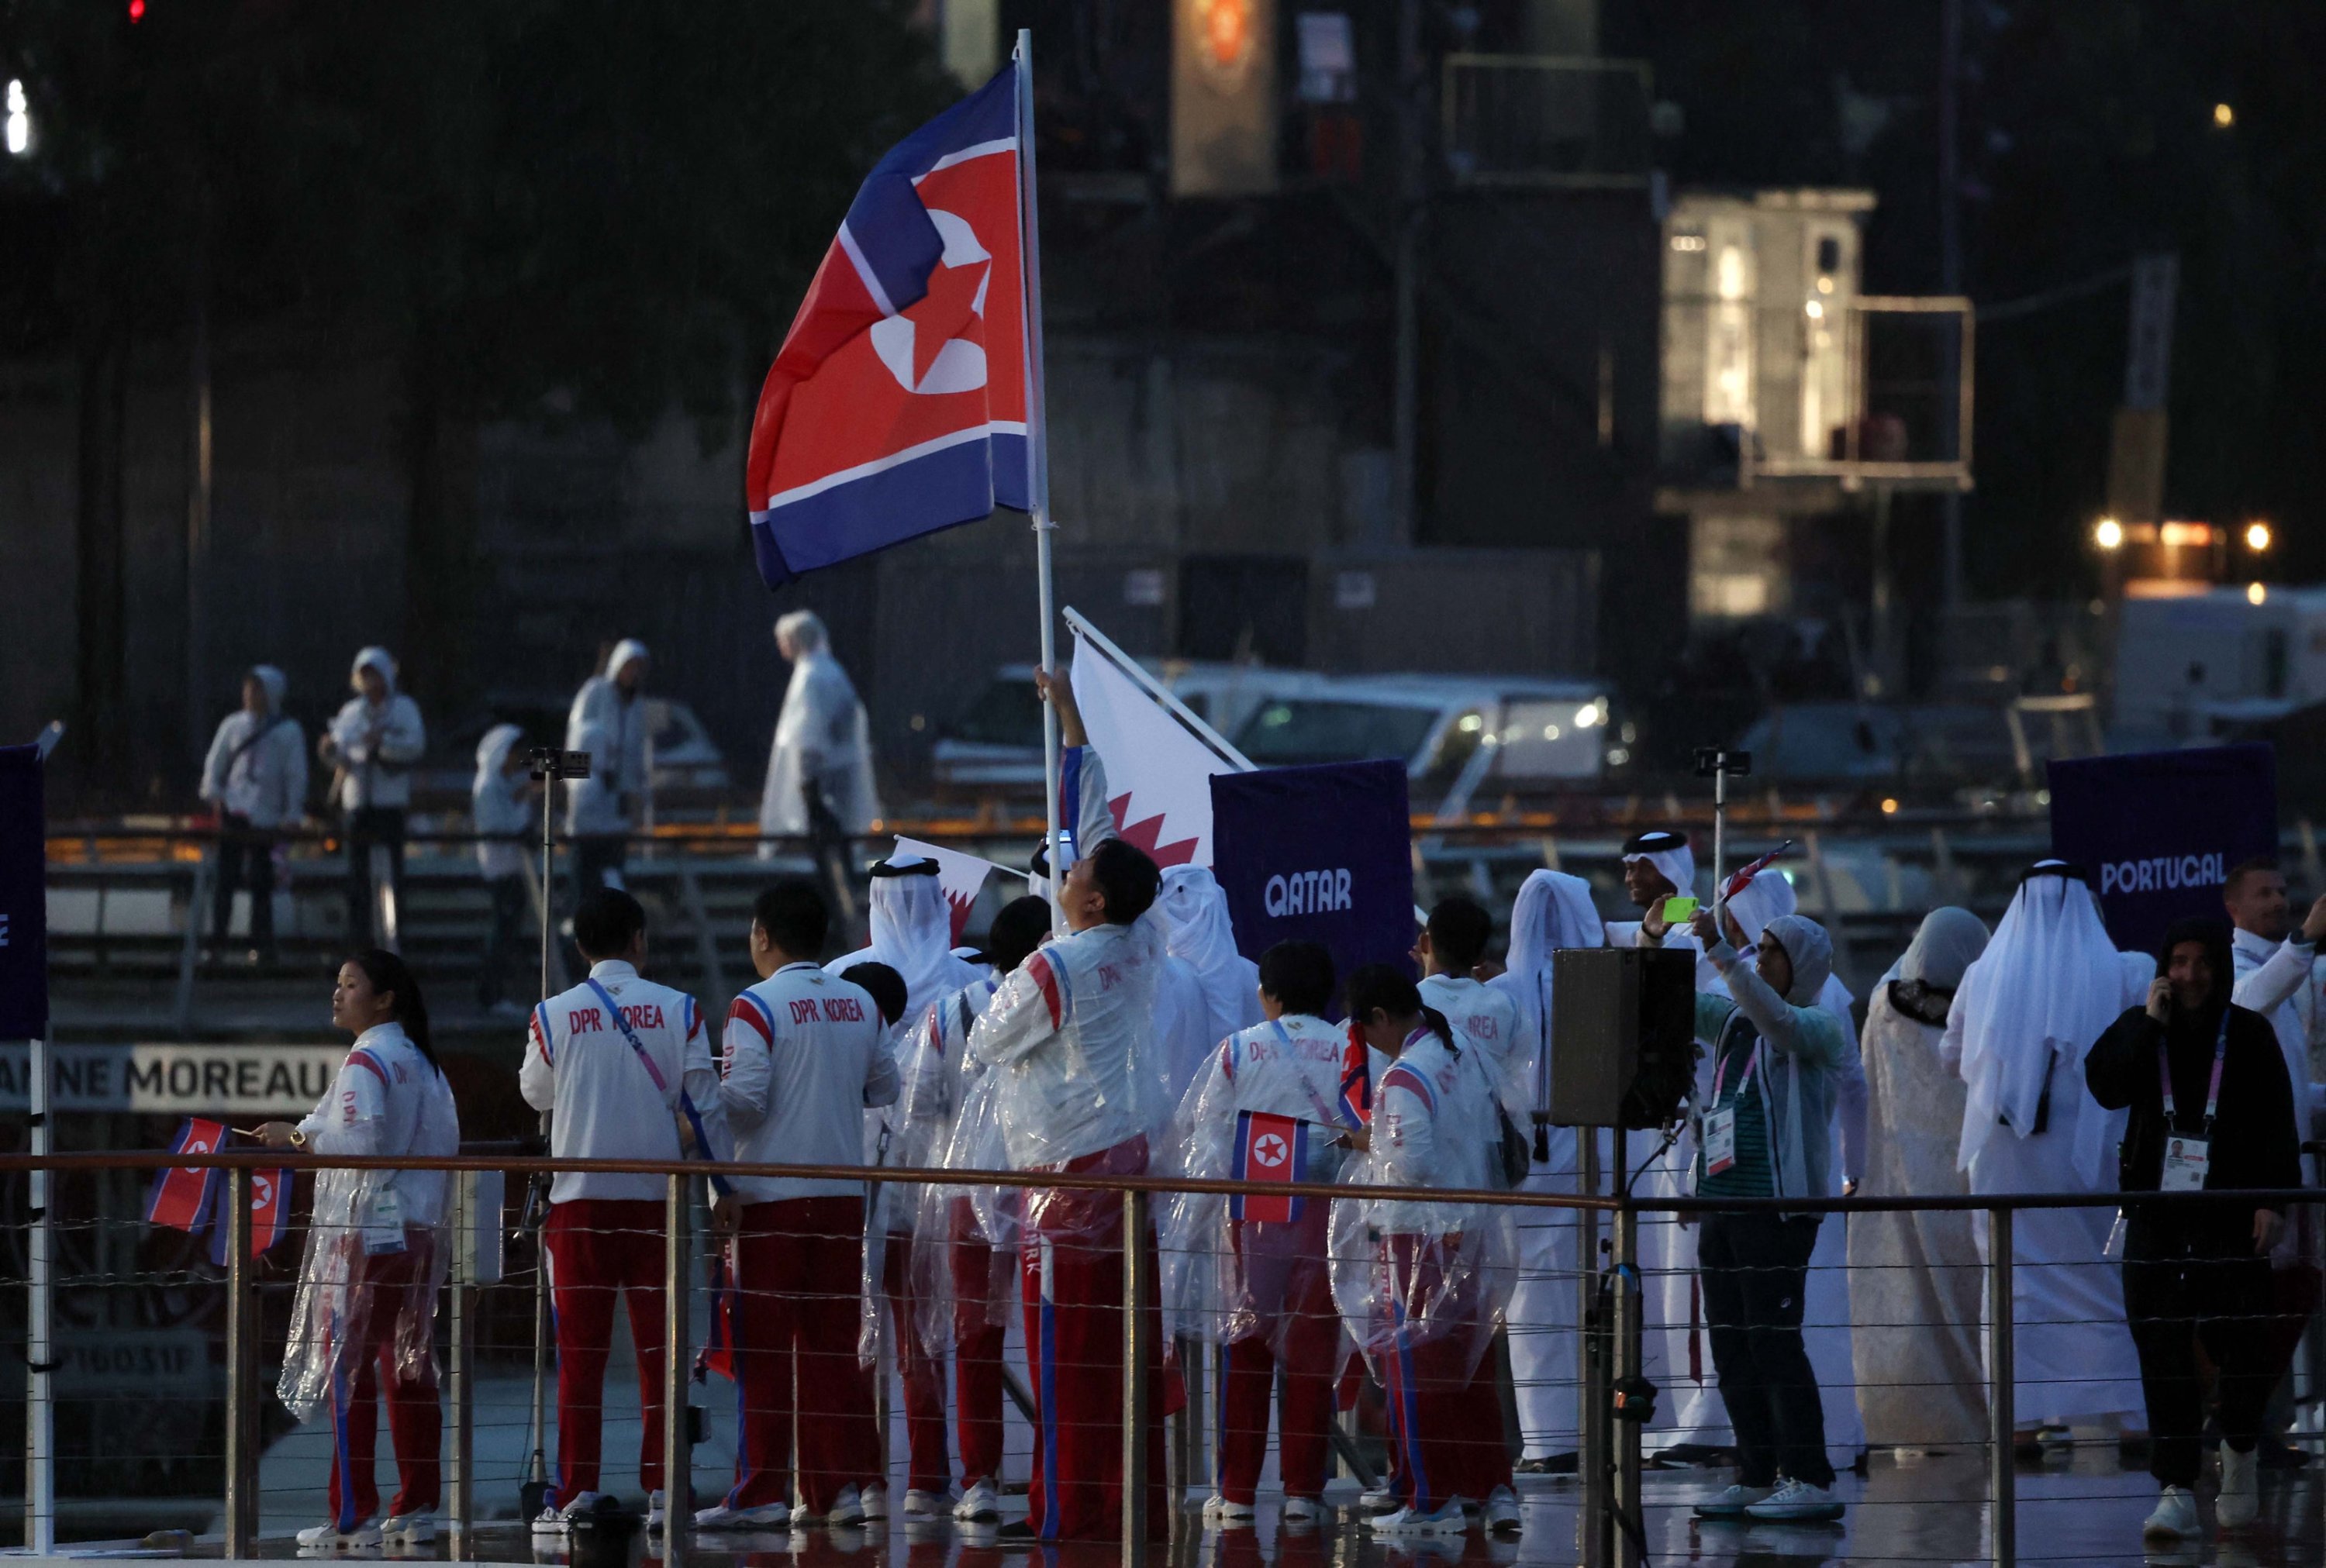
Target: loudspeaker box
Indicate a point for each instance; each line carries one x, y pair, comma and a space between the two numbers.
1622, 1035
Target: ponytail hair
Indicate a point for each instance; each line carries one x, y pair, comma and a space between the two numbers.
386, 972
1387, 988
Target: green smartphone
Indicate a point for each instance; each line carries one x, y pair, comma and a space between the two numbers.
1680, 911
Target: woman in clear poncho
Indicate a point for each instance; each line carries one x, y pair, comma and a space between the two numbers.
1423, 1283
376, 1250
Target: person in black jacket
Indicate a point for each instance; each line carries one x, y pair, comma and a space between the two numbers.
2199, 1271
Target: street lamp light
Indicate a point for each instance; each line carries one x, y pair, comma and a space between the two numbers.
2257, 537
19, 123
2109, 534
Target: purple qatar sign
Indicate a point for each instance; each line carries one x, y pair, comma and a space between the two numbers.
2159, 831
1321, 854
24, 897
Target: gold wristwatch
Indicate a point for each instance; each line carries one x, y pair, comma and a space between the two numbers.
298, 1137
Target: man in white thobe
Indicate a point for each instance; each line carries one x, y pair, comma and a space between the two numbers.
2049, 984
1553, 910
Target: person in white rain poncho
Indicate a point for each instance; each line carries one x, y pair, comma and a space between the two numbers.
257, 776
498, 810
372, 742
912, 933
962, 1276
1069, 1041
608, 720
1553, 910
1195, 907
2049, 983
1423, 1283
1915, 1287
819, 765
364, 1314
1276, 1102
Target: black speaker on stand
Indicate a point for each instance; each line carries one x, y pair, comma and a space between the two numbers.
1622, 1035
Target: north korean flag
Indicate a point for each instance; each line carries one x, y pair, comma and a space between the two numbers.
896, 406
1269, 1148
1356, 1080
270, 1215
181, 1196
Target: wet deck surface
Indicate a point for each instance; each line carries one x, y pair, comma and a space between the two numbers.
1925, 1510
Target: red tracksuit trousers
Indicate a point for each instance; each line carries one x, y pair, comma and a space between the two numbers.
977, 1343
928, 1468
600, 1248
1444, 1404
416, 1421
1072, 1284
1300, 1337
798, 1269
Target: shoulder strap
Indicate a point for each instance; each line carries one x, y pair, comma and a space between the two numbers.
630, 1035
258, 732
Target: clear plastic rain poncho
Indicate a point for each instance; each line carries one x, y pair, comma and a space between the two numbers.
1275, 1102
1408, 1271
948, 1119
388, 1099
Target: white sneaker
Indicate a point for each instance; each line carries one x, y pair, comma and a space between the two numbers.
655, 1516
1730, 1502
1380, 1501
875, 1501
2175, 1518
418, 1529
925, 1505
847, 1509
1795, 1502
1469, 1506
1219, 1513
1302, 1513
2240, 1499
1501, 1512
549, 1522
1445, 1520
980, 1505
330, 1537
766, 1516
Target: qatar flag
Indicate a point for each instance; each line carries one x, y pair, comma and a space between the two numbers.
1161, 772
961, 878
897, 405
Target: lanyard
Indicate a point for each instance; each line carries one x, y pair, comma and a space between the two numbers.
630, 1035
2212, 1094
1324, 1117
1721, 1070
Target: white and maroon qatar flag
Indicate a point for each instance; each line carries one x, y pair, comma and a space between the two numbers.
1161, 773
897, 405
960, 877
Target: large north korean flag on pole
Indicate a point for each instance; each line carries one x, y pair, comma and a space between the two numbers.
896, 406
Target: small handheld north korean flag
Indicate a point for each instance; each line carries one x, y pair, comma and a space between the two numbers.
1269, 1148
897, 404
270, 1215
1746, 872
1357, 1080
181, 1195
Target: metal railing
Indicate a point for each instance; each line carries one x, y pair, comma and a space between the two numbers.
1609, 1317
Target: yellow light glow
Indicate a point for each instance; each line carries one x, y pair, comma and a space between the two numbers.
2224, 115
1816, 309
2257, 537
1889, 807
2188, 535
1825, 285
2257, 594
2109, 535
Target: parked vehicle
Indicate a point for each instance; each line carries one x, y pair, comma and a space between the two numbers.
1456, 733
2197, 667
998, 738
684, 756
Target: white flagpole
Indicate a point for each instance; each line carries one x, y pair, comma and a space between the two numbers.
1038, 438
1164, 698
